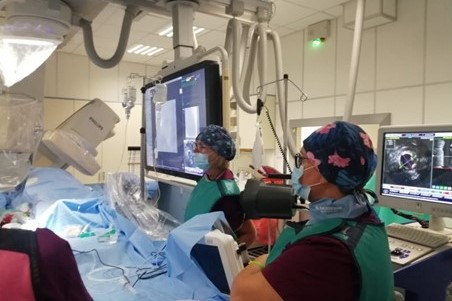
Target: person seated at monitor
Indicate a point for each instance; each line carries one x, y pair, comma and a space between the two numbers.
342, 251
217, 189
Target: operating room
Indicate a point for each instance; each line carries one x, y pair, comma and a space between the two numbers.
381, 64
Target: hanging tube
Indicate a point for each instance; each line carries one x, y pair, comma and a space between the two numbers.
282, 106
236, 70
262, 59
129, 14
348, 110
248, 68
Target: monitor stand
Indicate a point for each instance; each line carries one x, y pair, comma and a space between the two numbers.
437, 224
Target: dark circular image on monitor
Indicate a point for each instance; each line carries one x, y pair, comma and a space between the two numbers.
408, 162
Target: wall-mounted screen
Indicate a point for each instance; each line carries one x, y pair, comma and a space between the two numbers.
414, 171
194, 100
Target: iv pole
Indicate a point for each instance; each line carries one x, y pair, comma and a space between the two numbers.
284, 123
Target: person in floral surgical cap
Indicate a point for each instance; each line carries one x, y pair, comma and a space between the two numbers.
342, 251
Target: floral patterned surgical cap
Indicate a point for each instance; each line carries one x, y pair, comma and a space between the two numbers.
343, 153
218, 139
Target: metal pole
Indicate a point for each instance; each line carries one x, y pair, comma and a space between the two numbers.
285, 121
143, 145
350, 98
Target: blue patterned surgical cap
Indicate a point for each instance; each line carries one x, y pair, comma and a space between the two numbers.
218, 139
343, 153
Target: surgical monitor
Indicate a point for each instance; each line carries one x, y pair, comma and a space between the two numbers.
414, 170
193, 101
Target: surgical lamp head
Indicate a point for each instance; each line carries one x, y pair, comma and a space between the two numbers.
32, 31
20, 134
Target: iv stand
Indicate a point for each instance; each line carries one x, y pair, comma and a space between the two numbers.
303, 98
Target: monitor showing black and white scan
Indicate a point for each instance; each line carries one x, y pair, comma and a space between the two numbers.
193, 101
414, 169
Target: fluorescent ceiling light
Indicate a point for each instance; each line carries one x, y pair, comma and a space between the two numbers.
144, 50
155, 51
168, 31
197, 30
134, 48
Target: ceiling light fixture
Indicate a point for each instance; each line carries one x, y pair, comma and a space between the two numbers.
168, 31
33, 29
144, 50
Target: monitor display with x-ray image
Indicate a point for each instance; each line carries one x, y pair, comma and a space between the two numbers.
194, 100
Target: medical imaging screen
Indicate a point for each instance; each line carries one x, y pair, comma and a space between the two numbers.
172, 126
417, 166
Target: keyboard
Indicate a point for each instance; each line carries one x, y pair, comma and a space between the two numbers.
417, 235
253, 253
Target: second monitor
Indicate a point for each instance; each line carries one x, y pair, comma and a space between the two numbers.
414, 170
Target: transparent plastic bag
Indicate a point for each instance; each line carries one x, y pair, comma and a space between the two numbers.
20, 134
124, 195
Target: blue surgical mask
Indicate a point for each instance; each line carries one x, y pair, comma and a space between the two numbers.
301, 190
201, 160
350, 207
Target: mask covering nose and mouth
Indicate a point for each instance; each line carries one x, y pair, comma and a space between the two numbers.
301, 190
201, 160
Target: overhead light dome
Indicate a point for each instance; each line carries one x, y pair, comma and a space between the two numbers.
32, 31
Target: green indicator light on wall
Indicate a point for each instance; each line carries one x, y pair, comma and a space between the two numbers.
317, 42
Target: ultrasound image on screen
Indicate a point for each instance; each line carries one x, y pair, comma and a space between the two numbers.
408, 161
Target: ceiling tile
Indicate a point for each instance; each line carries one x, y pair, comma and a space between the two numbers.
209, 22
212, 37
318, 5
336, 11
112, 14
286, 12
156, 40
305, 22
283, 31
150, 23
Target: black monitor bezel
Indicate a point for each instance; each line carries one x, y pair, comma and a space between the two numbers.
214, 107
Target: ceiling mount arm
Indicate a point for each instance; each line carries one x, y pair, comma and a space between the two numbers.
129, 15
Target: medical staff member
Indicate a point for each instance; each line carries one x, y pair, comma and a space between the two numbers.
342, 252
217, 189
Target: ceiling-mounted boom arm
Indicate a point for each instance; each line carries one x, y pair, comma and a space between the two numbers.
129, 15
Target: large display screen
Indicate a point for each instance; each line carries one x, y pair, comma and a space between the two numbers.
415, 171
194, 100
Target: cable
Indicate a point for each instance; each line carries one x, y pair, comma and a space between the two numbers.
147, 272
150, 274
123, 272
277, 139
124, 147
424, 224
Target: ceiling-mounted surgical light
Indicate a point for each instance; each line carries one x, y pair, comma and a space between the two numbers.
33, 29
